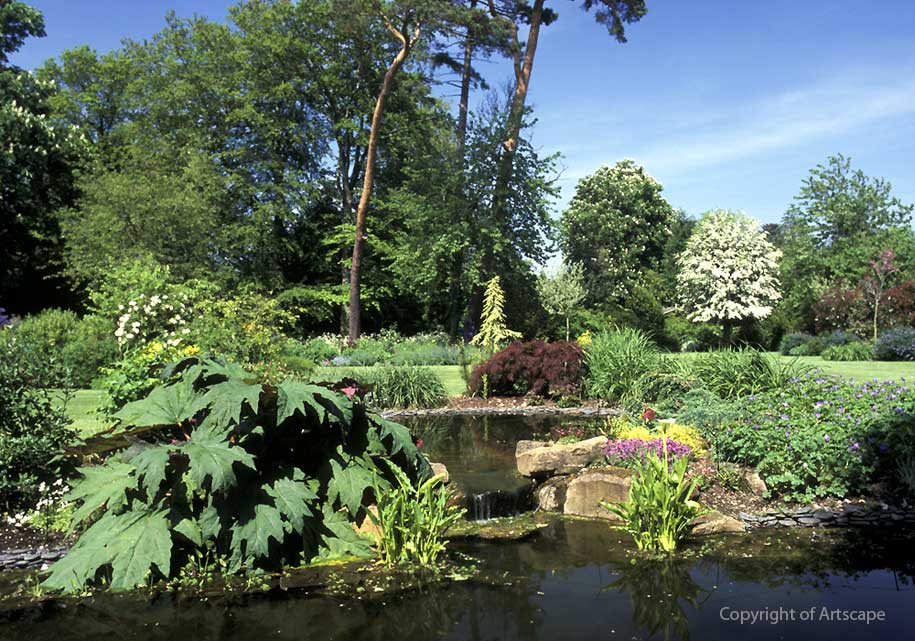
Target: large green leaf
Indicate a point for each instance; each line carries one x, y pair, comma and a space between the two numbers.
293, 499
147, 541
102, 486
341, 540
151, 463
226, 402
400, 435
168, 405
256, 532
211, 456
131, 543
349, 483
295, 396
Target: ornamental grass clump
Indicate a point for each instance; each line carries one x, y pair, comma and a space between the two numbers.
660, 510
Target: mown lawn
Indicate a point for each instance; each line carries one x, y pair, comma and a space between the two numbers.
82, 408
859, 370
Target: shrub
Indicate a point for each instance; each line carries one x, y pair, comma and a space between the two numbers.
91, 347
660, 511
821, 436
45, 336
534, 367
793, 341
631, 451
33, 426
413, 519
251, 475
135, 375
740, 372
317, 350
246, 328
616, 360
839, 337
851, 352
407, 386
896, 345
710, 414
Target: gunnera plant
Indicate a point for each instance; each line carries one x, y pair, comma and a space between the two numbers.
251, 474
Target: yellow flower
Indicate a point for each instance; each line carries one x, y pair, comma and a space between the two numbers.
584, 339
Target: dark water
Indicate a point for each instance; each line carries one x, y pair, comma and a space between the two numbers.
573, 581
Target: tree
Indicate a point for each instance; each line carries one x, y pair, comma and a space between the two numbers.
874, 284
407, 21
728, 272
839, 220
615, 14
616, 226
493, 331
37, 171
562, 291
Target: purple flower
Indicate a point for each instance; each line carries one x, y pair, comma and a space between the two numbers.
628, 449
826, 438
854, 447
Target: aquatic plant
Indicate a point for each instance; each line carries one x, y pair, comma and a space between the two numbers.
660, 510
254, 475
413, 518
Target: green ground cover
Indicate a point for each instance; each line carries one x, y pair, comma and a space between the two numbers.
858, 370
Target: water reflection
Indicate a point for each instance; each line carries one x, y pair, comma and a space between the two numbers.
573, 581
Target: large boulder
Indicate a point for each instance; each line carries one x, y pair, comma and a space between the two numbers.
557, 458
755, 483
589, 489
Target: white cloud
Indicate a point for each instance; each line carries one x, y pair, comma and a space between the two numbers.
835, 106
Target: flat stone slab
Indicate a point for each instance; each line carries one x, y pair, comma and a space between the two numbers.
558, 458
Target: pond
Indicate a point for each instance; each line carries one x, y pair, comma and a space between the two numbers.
574, 580
479, 452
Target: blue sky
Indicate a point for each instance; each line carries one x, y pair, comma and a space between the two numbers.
727, 103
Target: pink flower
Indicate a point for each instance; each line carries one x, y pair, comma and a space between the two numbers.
649, 415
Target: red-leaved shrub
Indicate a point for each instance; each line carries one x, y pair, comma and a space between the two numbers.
534, 367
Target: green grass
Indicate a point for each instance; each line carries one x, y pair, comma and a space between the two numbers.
449, 375
859, 370
83, 407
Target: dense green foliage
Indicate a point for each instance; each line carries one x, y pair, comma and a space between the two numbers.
822, 436
616, 227
256, 474
33, 427
740, 372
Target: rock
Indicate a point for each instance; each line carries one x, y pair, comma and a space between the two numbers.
439, 469
589, 489
551, 496
755, 483
525, 446
717, 523
559, 458
368, 526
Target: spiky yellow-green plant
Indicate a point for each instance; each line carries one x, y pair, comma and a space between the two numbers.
493, 332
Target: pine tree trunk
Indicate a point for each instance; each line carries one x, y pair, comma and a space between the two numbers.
355, 306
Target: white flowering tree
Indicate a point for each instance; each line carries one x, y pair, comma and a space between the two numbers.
562, 290
728, 272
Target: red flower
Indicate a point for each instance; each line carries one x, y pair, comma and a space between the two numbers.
349, 391
419, 443
649, 414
